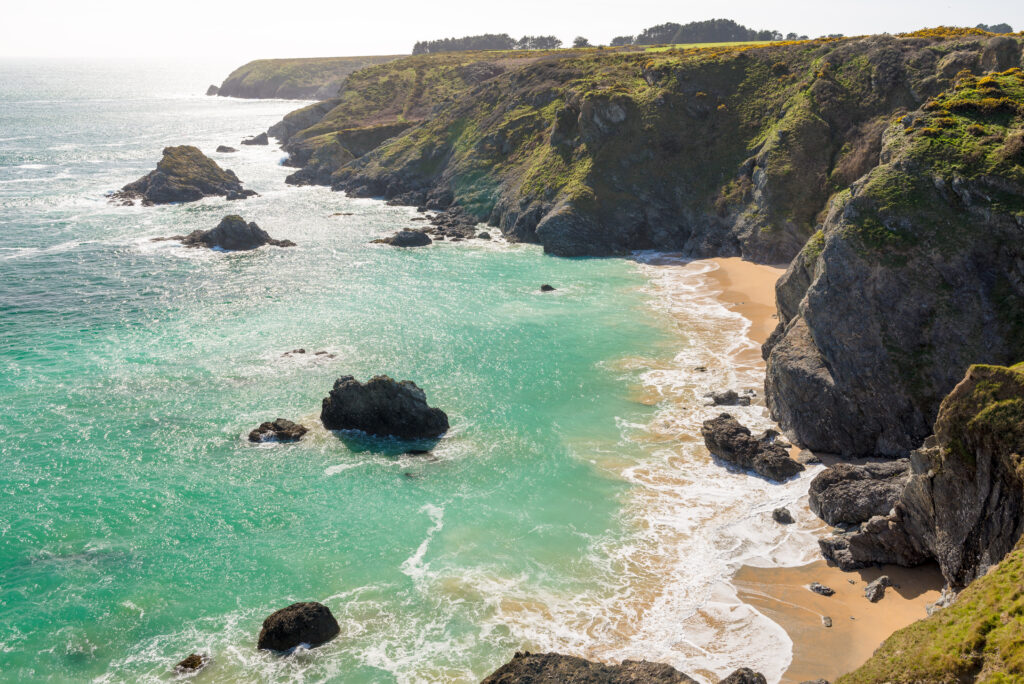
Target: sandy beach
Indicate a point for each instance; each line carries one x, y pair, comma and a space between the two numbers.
858, 626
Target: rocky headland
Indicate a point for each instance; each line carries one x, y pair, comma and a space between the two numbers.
298, 79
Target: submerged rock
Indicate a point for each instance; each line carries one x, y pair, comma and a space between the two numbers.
406, 238
280, 430
555, 668
192, 663
300, 623
727, 439
382, 407
184, 174
232, 233
260, 139
851, 494
225, 149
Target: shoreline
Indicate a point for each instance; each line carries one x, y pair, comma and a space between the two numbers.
780, 593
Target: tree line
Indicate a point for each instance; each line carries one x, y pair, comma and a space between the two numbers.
486, 41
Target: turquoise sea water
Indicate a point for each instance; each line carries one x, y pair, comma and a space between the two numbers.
138, 525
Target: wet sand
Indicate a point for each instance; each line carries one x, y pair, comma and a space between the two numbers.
858, 626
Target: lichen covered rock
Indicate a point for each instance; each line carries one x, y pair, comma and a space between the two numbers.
184, 174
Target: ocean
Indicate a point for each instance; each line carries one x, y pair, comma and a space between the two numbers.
571, 507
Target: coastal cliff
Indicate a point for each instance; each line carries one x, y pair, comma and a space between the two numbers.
298, 79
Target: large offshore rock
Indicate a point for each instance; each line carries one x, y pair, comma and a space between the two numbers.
184, 174
852, 494
382, 407
300, 623
232, 233
727, 439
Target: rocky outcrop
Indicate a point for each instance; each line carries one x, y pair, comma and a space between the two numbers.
260, 139
232, 233
184, 174
554, 668
847, 494
729, 398
745, 675
732, 442
321, 156
964, 503
213, 90
224, 149
782, 516
195, 661
406, 238
280, 430
917, 273
382, 407
307, 623
875, 590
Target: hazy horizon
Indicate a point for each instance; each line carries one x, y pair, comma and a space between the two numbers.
111, 28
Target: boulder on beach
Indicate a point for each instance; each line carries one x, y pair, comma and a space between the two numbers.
848, 494
382, 407
184, 174
308, 623
260, 139
232, 233
280, 430
819, 588
875, 591
225, 149
730, 441
406, 238
555, 668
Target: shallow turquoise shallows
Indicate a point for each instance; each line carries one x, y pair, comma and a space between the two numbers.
138, 525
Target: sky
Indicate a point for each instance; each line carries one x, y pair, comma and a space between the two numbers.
318, 28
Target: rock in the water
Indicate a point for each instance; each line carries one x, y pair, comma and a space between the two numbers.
184, 174
745, 675
729, 398
826, 621
484, 235
213, 90
260, 139
875, 591
729, 440
852, 494
225, 149
233, 233
280, 430
192, 663
382, 407
300, 623
554, 668
406, 238
546, 288
782, 516
819, 588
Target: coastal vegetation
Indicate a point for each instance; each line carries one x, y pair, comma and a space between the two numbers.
306, 78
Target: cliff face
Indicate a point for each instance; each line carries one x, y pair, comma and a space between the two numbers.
300, 79
917, 273
716, 151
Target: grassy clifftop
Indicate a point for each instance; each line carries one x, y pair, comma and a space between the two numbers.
314, 78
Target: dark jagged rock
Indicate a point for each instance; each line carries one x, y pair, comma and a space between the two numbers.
232, 233
244, 194
546, 288
744, 675
406, 238
729, 398
280, 430
819, 588
213, 90
225, 149
184, 174
782, 516
727, 439
875, 590
300, 623
554, 668
260, 139
964, 503
847, 494
382, 407
195, 661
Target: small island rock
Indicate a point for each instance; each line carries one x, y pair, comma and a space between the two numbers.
225, 148
260, 139
232, 233
727, 439
406, 238
184, 174
280, 430
192, 663
546, 288
382, 407
300, 623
